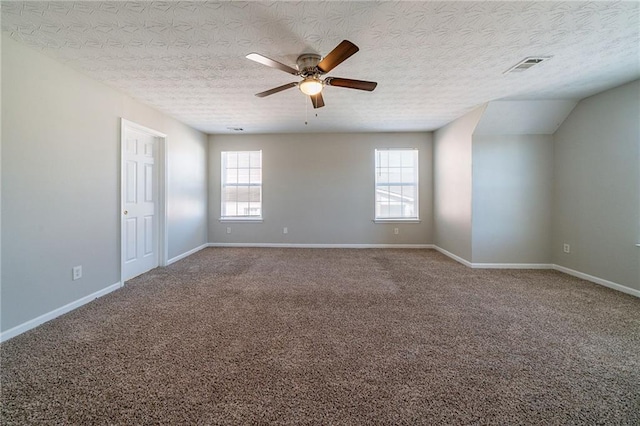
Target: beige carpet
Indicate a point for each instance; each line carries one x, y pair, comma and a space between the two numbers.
332, 336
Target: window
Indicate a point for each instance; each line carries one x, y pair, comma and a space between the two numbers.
396, 184
241, 194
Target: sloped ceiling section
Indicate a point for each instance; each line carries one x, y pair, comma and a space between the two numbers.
523, 117
434, 61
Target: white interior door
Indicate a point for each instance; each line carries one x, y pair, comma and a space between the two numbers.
140, 203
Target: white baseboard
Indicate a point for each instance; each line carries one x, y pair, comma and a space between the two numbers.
512, 266
597, 280
183, 255
33, 323
455, 257
295, 245
465, 262
578, 274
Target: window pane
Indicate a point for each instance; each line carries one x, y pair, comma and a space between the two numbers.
255, 159
395, 175
229, 201
382, 191
395, 210
255, 175
409, 192
231, 194
408, 175
233, 209
383, 175
254, 194
243, 175
232, 176
243, 159
408, 158
232, 160
408, 210
243, 194
395, 158
383, 158
243, 209
395, 192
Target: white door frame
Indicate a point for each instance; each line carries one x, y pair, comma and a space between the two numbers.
161, 161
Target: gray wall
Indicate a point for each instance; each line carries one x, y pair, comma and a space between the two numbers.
187, 212
60, 183
452, 155
321, 187
512, 181
596, 202
524, 117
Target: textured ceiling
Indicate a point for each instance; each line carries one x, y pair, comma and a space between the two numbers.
433, 61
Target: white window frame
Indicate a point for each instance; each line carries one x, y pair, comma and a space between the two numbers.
383, 219
238, 218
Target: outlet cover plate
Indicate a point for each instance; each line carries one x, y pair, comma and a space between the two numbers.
77, 272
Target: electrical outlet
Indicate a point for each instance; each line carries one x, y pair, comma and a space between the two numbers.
285, 230
77, 272
228, 229
566, 248
396, 231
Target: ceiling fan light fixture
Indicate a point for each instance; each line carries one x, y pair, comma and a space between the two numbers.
310, 86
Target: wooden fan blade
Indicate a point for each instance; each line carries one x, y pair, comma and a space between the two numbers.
351, 84
271, 63
317, 100
338, 55
276, 90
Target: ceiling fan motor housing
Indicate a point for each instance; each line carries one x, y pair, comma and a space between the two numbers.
307, 64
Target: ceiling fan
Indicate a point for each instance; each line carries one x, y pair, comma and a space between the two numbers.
311, 68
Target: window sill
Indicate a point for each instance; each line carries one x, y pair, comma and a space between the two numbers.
396, 220
240, 220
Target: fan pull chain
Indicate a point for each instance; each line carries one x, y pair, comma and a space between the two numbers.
306, 112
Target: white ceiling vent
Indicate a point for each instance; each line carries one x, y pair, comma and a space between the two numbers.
527, 63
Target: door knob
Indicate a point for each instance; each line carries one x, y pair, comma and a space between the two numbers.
126, 212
